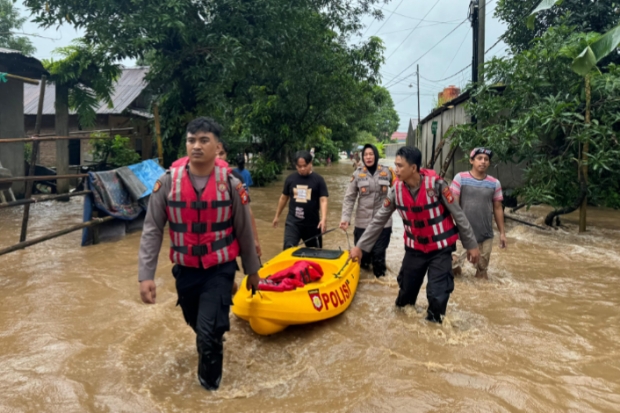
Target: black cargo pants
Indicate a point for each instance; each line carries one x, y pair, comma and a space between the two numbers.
205, 298
440, 280
376, 257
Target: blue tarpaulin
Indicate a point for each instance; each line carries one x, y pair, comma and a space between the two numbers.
121, 193
147, 172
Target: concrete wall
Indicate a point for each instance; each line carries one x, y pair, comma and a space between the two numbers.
390, 150
12, 126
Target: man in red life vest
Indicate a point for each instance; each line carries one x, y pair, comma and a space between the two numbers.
209, 226
433, 222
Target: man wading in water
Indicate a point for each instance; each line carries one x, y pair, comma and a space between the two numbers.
480, 196
432, 223
209, 227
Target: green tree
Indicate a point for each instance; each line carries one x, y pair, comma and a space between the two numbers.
276, 73
383, 120
538, 118
89, 73
585, 16
10, 21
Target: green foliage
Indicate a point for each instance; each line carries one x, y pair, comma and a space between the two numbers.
274, 73
89, 73
596, 50
584, 16
27, 151
113, 153
538, 120
264, 171
10, 22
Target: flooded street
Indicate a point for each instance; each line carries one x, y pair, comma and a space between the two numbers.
541, 335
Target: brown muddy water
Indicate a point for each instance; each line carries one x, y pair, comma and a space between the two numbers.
541, 335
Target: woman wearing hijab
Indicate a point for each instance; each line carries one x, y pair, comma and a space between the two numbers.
370, 183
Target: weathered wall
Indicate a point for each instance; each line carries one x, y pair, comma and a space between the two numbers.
12, 126
510, 175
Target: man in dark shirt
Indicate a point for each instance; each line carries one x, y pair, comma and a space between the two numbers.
306, 193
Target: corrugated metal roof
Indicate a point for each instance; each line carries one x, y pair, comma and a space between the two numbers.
127, 89
19, 64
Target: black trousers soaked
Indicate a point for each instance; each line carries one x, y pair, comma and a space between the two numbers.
205, 298
295, 233
440, 280
377, 255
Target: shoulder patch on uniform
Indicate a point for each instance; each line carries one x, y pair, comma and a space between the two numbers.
387, 203
448, 195
242, 194
157, 186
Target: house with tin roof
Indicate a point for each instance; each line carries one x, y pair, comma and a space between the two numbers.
130, 108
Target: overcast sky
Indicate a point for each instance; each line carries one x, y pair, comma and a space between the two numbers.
408, 41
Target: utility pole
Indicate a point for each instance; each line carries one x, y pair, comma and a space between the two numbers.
418, 123
482, 11
474, 19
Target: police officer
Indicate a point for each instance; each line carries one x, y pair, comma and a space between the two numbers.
433, 222
209, 226
370, 184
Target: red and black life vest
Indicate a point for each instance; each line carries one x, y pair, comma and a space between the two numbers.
298, 275
428, 225
201, 230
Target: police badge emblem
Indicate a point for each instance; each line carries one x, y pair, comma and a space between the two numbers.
221, 186
430, 192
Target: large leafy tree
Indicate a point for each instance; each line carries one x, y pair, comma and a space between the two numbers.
584, 16
88, 73
10, 23
277, 73
538, 118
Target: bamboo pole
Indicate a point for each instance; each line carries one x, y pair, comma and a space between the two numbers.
160, 147
51, 138
33, 161
584, 159
23, 79
43, 199
53, 235
41, 178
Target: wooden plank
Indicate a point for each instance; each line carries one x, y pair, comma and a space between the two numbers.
53, 235
42, 199
33, 161
160, 148
22, 79
41, 178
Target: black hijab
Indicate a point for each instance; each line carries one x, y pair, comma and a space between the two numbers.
372, 169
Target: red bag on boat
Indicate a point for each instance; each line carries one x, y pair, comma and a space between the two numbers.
299, 274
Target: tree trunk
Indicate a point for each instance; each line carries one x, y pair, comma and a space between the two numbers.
583, 191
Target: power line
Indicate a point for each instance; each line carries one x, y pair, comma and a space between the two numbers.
427, 52
418, 19
371, 23
457, 52
414, 29
466, 67
386, 20
421, 27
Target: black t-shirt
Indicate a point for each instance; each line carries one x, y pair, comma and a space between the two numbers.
304, 192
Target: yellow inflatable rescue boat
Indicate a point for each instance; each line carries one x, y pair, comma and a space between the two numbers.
269, 312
